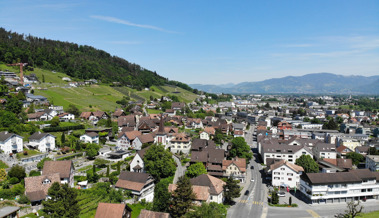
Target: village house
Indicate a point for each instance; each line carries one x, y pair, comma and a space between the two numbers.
202, 194
11, 142
339, 187
38, 116
143, 139
285, 174
65, 168
111, 210
36, 187
207, 133
126, 121
177, 105
44, 142
235, 168
90, 137
372, 162
125, 139
66, 117
180, 143
140, 184
215, 185
118, 113
286, 152
137, 164
324, 150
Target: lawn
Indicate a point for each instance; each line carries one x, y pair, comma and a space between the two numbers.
3, 165
136, 209
374, 214
153, 111
30, 153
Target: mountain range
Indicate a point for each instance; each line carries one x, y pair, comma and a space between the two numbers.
316, 83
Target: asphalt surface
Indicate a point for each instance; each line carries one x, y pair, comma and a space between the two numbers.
251, 202
254, 204
179, 169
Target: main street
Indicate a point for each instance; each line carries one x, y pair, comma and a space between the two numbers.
253, 194
254, 203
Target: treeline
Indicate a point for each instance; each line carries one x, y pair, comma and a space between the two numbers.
78, 61
367, 104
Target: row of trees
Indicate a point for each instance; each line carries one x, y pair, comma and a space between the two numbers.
82, 62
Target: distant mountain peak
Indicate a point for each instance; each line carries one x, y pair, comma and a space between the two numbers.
313, 83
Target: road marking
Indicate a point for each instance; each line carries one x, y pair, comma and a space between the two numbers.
264, 212
313, 213
257, 202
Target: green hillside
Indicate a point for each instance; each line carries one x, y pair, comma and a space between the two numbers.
94, 97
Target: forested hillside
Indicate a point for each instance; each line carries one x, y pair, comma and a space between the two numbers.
78, 61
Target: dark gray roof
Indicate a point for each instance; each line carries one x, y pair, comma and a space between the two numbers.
134, 177
5, 211
39, 136
352, 176
6, 135
282, 148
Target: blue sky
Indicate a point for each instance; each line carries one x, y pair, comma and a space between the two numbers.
214, 42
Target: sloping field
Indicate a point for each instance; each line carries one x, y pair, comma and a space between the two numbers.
94, 97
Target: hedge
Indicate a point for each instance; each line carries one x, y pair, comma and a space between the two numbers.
62, 128
70, 157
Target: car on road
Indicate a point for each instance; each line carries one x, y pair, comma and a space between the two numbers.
252, 180
251, 167
247, 192
281, 194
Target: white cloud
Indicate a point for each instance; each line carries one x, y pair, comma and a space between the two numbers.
128, 23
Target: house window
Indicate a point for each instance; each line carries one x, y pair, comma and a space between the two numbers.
282, 168
289, 174
303, 152
289, 179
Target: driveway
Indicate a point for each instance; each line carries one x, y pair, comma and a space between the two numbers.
180, 170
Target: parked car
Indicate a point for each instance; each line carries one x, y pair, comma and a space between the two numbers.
281, 194
247, 192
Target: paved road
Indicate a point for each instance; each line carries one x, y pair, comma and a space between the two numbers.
251, 203
179, 169
255, 203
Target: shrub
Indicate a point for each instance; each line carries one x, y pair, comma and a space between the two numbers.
34, 173
14, 180
7, 194
62, 128
23, 200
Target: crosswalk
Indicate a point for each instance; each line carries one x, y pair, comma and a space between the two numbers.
253, 202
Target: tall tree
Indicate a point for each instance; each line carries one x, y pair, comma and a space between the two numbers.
182, 198
18, 172
13, 105
355, 157
231, 190
196, 169
92, 150
62, 202
208, 210
309, 165
162, 197
55, 121
72, 109
240, 149
159, 162
63, 138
